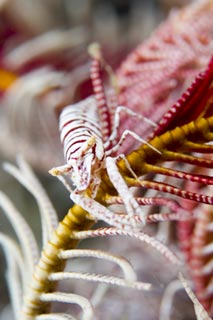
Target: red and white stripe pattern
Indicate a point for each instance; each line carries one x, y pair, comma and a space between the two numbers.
81, 138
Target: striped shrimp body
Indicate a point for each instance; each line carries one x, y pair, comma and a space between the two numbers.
83, 147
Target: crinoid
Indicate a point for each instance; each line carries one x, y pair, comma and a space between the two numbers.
167, 177
159, 70
183, 142
182, 137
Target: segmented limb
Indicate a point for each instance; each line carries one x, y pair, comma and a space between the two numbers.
123, 138
112, 142
120, 185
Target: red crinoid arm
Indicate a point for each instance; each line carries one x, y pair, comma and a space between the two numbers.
185, 158
144, 160
159, 69
98, 87
157, 201
206, 179
176, 211
169, 188
201, 261
195, 102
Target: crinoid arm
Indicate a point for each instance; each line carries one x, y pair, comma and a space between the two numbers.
199, 310
21, 255
55, 316
173, 146
168, 297
27, 178
100, 212
27, 242
15, 272
68, 298
39, 291
132, 206
140, 236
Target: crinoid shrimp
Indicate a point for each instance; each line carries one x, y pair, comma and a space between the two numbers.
89, 133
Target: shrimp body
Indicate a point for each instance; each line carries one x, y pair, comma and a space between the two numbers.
82, 141
89, 134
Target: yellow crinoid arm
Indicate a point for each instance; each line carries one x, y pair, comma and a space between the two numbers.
174, 145
76, 219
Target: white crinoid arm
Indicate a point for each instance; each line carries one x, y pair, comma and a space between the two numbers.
200, 312
140, 236
27, 178
128, 280
48, 43
15, 275
69, 298
24, 234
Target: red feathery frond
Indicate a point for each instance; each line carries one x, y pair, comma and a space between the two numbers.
154, 74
